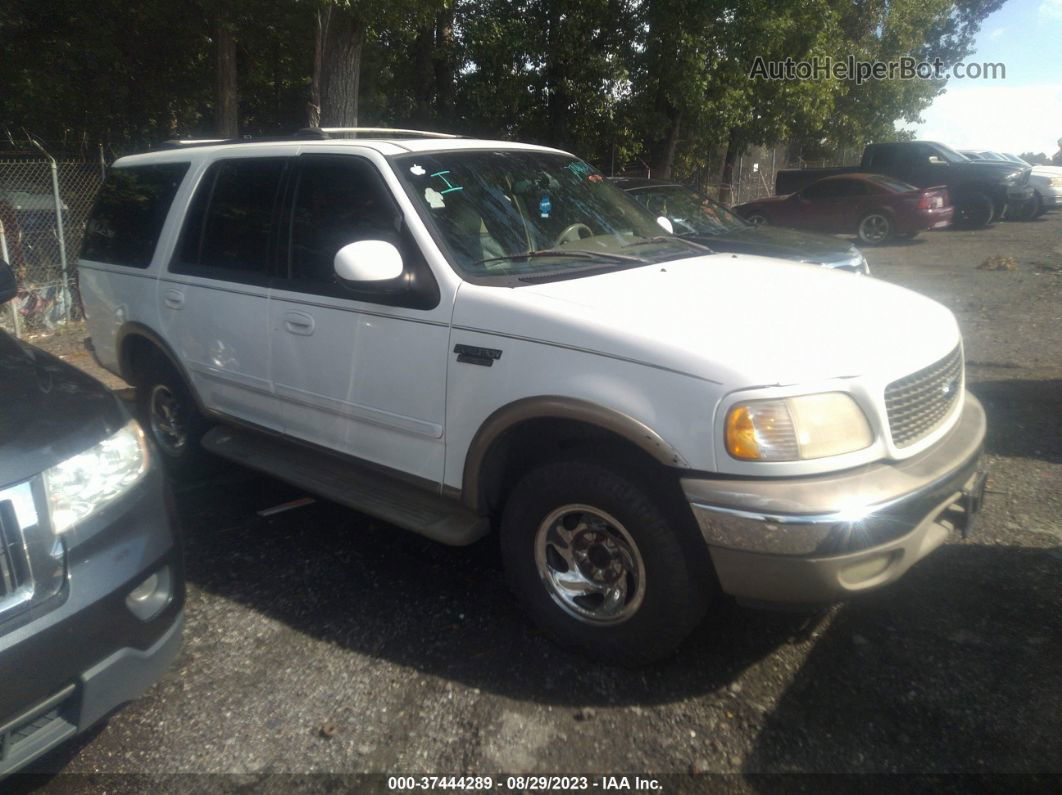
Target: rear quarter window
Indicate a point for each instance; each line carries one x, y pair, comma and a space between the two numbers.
125, 223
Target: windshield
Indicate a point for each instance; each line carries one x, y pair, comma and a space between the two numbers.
690, 213
522, 213
1016, 159
949, 154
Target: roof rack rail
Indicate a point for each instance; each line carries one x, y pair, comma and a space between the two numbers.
332, 132
312, 133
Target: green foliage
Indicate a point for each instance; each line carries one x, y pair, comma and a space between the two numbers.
623, 83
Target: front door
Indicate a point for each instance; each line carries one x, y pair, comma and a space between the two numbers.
360, 369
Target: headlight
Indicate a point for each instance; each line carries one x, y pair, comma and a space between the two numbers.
790, 429
1012, 178
1056, 182
84, 483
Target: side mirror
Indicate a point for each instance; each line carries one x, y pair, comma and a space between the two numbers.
8, 284
934, 160
665, 224
368, 261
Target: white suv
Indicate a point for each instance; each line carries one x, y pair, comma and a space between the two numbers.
463, 336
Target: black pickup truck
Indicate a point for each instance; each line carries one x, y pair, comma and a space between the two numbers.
980, 191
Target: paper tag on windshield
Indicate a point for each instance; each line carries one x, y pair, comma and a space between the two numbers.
434, 199
544, 207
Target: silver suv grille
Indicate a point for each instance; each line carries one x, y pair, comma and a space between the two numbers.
918, 403
16, 582
32, 561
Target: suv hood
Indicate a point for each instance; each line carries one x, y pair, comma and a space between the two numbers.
50, 410
737, 320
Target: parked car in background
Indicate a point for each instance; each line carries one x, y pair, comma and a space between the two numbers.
91, 579
696, 217
980, 191
1046, 182
463, 337
871, 206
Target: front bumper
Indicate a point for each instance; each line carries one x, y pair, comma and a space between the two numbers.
819, 539
69, 662
1017, 194
1051, 197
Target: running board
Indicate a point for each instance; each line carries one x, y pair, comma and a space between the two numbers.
348, 483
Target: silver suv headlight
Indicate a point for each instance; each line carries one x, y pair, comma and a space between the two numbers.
84, 483
796, 428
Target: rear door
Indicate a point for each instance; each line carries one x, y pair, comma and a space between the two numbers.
359, 370
214, 300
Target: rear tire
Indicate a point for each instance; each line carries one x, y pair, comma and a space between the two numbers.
171, 420
599, 563
875, 228
975, 211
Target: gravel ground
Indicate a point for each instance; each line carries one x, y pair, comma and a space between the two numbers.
319, 640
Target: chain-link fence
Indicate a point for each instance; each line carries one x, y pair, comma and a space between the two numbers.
44, 205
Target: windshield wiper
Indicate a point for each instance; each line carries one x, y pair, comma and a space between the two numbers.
560, 252
663, 239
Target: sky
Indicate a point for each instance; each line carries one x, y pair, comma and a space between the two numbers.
1022, 113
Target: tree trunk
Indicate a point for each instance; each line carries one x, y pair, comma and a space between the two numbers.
726, 179
445, 79
313, 107
344, 37
423, 82
227, 122
665, 160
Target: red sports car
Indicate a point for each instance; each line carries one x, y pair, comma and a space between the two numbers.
874, 207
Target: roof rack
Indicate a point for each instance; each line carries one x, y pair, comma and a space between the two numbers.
332, 132
311, 133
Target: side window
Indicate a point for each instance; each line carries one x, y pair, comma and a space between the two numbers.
822, 190
229, 223
338, 200
341, 199
881, 158
130, 210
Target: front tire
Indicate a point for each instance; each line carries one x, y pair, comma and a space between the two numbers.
170, 418
600, 565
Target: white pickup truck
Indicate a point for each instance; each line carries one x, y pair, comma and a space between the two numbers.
466, 337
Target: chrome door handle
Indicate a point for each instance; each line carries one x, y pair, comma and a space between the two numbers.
174, 299
299, 323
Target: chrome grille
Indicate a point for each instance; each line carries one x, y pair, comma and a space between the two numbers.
14, 568
918, 403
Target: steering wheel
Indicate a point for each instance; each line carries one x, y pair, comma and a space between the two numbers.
572, 229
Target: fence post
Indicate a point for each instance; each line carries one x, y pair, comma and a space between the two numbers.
65, 291
7, 258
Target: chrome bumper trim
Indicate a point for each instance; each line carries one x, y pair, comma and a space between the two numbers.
838, 514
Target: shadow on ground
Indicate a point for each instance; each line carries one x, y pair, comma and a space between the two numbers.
342, 577
1024, 417
954, 669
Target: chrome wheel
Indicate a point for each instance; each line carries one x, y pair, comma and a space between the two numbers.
167, 427
875, 228
756, 219
590, 565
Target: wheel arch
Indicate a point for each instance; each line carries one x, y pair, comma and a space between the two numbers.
135, 342
546, 424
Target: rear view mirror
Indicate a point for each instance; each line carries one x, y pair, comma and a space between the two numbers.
937, 161
8, 284
666, 225
368, 261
